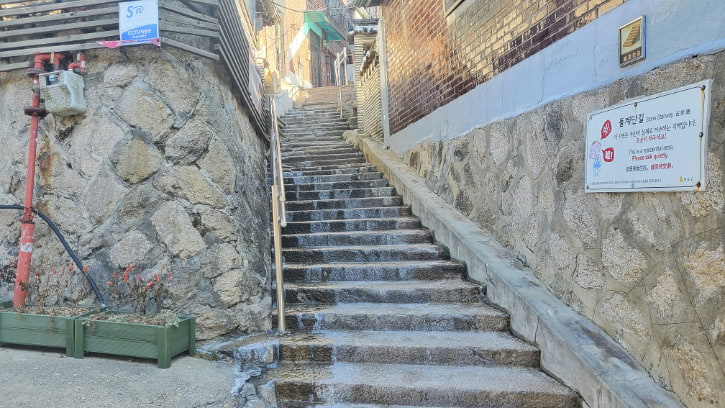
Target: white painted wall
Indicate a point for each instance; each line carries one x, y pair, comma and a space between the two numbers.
582, 61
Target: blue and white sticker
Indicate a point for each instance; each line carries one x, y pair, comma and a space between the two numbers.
139, 21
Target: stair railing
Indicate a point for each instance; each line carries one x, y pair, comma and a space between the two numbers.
341, 68
279, 213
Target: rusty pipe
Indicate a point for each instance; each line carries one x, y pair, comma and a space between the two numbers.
80, 64
27, 229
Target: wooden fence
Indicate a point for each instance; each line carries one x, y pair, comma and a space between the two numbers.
218, 30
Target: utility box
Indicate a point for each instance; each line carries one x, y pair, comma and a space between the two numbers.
63, 93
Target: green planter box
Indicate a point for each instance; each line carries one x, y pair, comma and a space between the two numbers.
38, 330
161, 343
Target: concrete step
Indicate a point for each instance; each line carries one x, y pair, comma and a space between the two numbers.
449, 348
341, 185
380, 253
313, 137
313, 142
302, 165
317, 151
290, 146
371, 224
313, 114
344, 203
404, 384
329, 293
314, 122
357, 238
330, 182
392, 316
378, 271
302, 126
332, 172
294, 404
351, 213
312, 134
290, 159
338, 166
339, 194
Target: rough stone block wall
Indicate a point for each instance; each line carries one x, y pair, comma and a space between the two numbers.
164, 172
433, 60
649, 268
370, 113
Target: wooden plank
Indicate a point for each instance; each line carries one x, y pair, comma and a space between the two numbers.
183, 30
53, 7
199, 8
236, 36
236, 45
20, 3
59, 17
213, 3
59, 40
189, 48
189, 13
58, 27
177, 19
57, 48
13, 67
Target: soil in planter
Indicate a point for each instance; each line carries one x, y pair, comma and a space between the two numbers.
164, 318
56, 311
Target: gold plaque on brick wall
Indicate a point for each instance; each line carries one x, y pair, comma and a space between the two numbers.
632, 42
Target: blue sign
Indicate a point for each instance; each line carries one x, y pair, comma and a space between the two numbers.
139, 21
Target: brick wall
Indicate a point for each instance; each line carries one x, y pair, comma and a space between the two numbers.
433, 60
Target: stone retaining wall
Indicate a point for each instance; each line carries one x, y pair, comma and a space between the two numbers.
164, 172
649, 268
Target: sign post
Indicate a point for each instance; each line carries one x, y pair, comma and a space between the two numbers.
139, 22
657, 143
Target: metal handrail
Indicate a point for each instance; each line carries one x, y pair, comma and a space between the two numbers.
279, 213
341, 59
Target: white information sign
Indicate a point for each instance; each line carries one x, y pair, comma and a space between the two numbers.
139, 21
657, 143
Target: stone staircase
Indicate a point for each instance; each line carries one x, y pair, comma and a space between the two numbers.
379, 315
325, 97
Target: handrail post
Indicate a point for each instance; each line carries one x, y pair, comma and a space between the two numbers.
341, 57
281, 320
279, 214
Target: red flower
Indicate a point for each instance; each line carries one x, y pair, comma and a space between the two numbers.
110, 284
150, 285
125, 277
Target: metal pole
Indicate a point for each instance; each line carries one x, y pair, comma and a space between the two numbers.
25, 254
281, 323
339, 77
282, 194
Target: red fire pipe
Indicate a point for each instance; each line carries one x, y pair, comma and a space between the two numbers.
80, 64
28, 226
